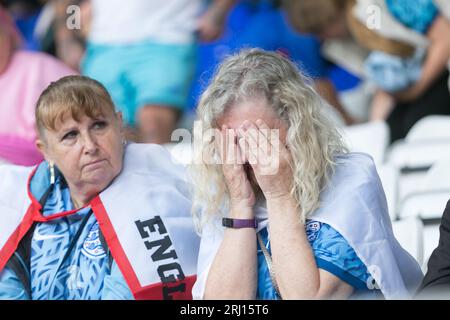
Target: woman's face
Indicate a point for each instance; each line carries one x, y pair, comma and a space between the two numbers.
89, 153
252, 110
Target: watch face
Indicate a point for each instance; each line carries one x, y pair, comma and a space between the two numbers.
226, 222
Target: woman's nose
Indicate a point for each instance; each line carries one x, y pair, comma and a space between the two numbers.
90, 144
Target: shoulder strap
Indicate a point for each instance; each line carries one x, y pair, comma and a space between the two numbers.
269, 265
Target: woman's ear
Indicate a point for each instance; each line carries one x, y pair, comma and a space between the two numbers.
119, 118
42, 147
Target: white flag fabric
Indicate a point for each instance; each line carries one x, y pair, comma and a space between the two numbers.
354, 204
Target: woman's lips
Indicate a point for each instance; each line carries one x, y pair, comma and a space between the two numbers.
94, 164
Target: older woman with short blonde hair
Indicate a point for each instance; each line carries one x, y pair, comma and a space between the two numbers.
80, 225
284, 210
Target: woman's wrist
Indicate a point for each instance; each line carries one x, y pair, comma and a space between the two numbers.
279, 197
241, 211
281, 203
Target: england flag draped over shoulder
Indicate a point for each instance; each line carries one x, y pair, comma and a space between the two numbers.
144, 216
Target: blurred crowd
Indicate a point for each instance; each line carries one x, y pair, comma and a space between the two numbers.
313, 67
371, 60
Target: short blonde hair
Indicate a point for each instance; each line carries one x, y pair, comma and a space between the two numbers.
312, 138
71, 95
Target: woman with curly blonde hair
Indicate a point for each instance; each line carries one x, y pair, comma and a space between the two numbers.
284, 210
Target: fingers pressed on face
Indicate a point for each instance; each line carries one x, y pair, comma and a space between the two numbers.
260, 147
228, 144
272, 135
263, 128
219, 143
230, 147
244, 150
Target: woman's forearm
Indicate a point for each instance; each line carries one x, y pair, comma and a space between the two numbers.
233, 274
435, 62
293, 260
439, 52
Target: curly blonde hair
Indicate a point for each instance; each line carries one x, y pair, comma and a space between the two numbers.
312, 138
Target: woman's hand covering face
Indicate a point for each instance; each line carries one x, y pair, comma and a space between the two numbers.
269, 158
241, 193
254, 151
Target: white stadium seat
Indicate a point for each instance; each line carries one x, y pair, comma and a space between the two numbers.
418, 154
371, 138
427, 142
409, 233
431, 128
428, 198
389, 179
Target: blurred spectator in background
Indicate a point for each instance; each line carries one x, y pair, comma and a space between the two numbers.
68, 44
45, 25
144, 52
404, 56
23, 76
25, 14
263, 24
414, 79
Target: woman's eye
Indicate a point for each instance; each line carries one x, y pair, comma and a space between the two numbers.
100, 124
70, 135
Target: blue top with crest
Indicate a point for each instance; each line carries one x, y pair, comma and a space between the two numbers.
85, 273
332, 254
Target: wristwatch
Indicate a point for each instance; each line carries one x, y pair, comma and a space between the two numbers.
239, 223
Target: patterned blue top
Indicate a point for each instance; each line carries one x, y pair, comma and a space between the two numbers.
417, 15
332, 253
85, 273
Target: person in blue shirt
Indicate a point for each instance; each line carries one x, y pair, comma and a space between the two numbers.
284, 210
75, 238
67, 260
54, 276
331, 253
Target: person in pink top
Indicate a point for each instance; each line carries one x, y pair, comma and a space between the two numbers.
23, 76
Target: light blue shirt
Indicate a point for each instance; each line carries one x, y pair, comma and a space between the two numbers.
417, 15
86, 273
332, 253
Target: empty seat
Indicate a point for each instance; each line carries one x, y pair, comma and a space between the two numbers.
433, 129
427, 142
371, 138
409, 233
428, 198
389, 178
